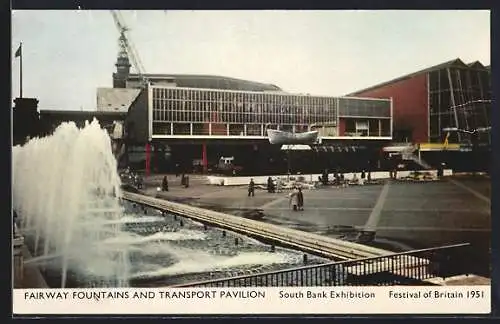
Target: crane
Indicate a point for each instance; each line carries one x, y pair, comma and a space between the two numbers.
127, 47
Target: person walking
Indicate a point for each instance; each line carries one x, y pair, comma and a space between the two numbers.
278, 185
294, 199
251, 188
164, 184
269, 185
300, 199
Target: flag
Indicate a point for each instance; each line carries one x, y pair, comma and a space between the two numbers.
18, 52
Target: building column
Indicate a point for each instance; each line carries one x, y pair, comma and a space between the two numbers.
148, 158
204, 159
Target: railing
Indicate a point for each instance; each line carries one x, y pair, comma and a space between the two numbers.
406, 268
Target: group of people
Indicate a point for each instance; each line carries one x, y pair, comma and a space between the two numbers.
296, 196
132, 177
272, 186
184, 182
296, 199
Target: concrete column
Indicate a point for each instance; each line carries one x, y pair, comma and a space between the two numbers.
204, 157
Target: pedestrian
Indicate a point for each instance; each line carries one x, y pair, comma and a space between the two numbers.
300, 199
294, 199
164, 184
355, 179
269, 184
251, 188
440, 171
278, 184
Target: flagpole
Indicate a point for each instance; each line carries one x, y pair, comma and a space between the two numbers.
21, 71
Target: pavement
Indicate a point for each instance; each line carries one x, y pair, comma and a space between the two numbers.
405, 216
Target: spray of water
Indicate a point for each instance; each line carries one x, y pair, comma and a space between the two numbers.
196, 261
66, 190
64, 183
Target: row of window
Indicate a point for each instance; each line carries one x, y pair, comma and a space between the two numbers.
220, 115
356, 107
371, 127
202, 105
222, 129
229, 96
461, 78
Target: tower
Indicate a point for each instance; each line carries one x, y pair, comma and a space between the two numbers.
122, 64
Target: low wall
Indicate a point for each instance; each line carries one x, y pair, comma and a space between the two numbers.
262, 180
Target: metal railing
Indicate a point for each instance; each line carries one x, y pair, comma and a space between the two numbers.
406, 268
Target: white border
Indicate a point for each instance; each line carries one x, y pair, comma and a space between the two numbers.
326, 300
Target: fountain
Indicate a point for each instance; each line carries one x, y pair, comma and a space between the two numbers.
67, 194
66, 191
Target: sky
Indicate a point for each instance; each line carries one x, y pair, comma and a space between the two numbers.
67, 55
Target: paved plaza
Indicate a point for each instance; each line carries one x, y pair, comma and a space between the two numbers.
404, 215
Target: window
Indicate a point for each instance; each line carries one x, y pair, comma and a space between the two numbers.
362, 128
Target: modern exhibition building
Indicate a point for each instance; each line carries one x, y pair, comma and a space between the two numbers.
207, 123
212, 118
444, 110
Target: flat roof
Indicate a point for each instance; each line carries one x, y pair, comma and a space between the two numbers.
82, 113
192, 80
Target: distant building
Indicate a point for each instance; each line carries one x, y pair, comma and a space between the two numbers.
25, 119
451, 94
192, 117
115, 99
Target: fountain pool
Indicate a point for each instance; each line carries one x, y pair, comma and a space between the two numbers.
81, 233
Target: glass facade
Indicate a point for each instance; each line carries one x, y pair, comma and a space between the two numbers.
364, 108
459, 97
190, 111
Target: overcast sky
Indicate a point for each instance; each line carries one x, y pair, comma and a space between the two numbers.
68, 54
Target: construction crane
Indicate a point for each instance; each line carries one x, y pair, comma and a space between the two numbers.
127, 47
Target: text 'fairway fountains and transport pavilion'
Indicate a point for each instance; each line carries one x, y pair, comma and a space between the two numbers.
82, 234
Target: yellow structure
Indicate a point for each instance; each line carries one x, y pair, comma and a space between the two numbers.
439, 146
